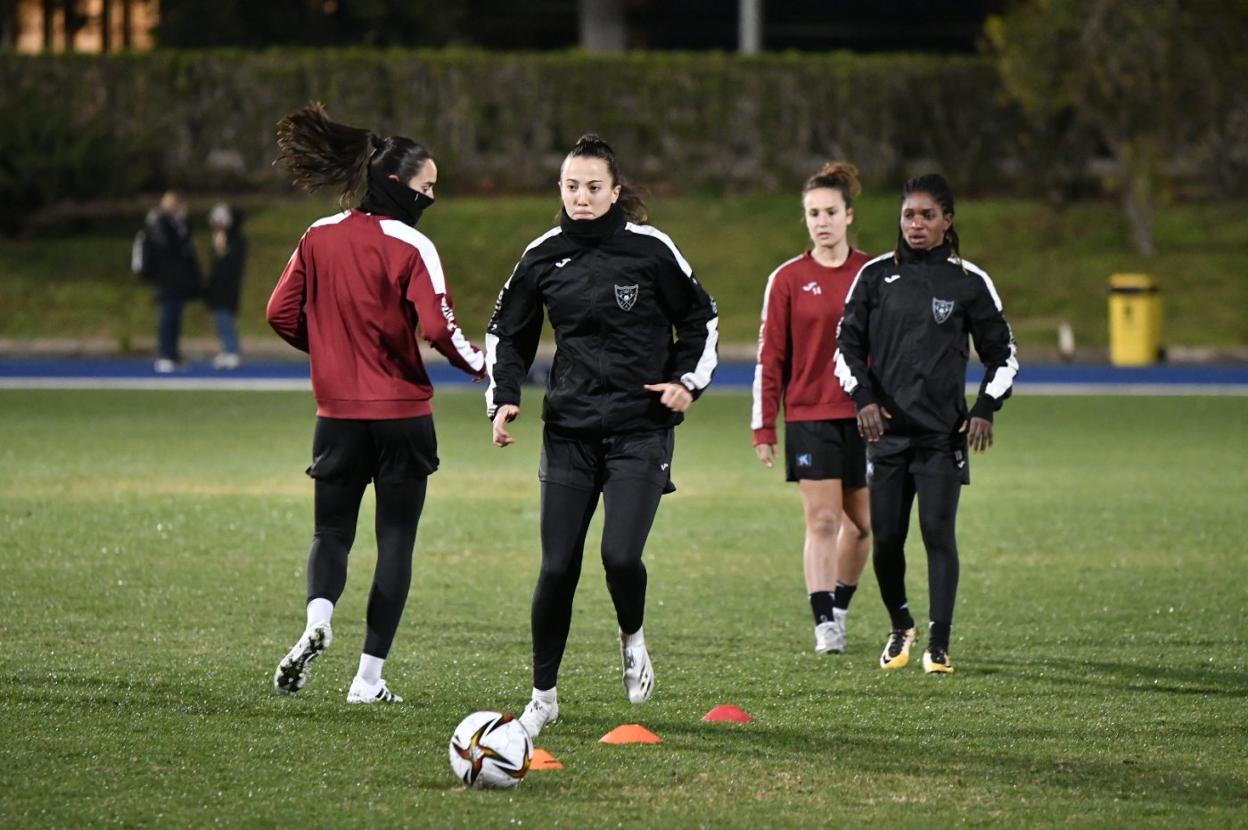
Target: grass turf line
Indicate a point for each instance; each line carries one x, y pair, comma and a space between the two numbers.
154, 558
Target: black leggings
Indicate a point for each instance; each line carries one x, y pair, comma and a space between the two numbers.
566, 512
337, 507
893, 489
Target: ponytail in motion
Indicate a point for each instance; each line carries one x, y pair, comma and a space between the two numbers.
320, 153
591, 145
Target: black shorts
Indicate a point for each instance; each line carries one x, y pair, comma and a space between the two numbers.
393, 451
923, 455
589, 462
820, 450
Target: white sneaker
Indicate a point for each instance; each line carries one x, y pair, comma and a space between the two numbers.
165, 366
226, 360
363, 691
538, 714
638, 673
830, 635
292, 672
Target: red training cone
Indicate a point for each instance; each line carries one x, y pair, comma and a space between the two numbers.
728, 712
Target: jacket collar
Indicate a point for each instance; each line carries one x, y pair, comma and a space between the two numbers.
592, 231
938, 254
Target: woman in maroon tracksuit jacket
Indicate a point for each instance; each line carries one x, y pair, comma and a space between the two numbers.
352, 296
824, 454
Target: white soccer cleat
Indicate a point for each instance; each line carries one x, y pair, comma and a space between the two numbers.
363, 691
292, 672
638, 673
538, 714
830, 636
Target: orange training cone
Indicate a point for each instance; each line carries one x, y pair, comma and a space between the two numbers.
630, 733
544, 760
728, 712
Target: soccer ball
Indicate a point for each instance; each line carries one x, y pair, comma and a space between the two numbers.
490, 750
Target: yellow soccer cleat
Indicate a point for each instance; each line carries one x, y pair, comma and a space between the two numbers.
897, 652
937, 662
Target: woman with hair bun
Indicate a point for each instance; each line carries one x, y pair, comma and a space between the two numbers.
902, 355
352, 295
635, 345
824, 454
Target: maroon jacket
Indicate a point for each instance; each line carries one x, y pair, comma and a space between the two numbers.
802, 305
351, 297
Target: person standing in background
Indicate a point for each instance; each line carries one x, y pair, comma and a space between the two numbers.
166, 259
824, 453
225, 281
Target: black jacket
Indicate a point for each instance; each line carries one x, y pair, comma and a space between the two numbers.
169, 261
225, 279
614, 292
902, 342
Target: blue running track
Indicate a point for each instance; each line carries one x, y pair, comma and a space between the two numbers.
137, 373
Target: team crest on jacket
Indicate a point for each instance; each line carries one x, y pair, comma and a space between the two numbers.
625, 296
941, 309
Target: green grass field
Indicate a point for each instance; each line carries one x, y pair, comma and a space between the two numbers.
73, 280
153, 571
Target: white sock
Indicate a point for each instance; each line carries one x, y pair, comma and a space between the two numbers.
550, 695
370, 668
637, 638
320, 610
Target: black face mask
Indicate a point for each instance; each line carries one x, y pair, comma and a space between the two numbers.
388, 197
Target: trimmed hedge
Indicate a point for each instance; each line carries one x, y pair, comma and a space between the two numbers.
79, 126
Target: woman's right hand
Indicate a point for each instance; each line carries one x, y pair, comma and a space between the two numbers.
504, 415
871, 422
766, 454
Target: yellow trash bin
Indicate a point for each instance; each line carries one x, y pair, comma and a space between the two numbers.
1134, 320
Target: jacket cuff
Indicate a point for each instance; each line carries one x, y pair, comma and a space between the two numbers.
764, 436
984, 408
863, 397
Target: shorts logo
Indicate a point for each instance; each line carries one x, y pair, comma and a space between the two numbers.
941, 309
959, 459
870, 471
625, 296
804, 460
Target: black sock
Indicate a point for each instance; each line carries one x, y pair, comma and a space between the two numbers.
844, 593
901, 617
938, 635
821, 604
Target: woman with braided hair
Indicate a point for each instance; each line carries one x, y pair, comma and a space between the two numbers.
902, 355
352, 296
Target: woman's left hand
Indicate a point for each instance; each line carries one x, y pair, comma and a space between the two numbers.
674, 396
978, 434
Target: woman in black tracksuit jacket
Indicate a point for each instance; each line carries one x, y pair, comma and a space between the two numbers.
615, 290
902, 355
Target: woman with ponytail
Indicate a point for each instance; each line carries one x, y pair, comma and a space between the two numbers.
352, 296
824, 454
635, 345
902, 357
